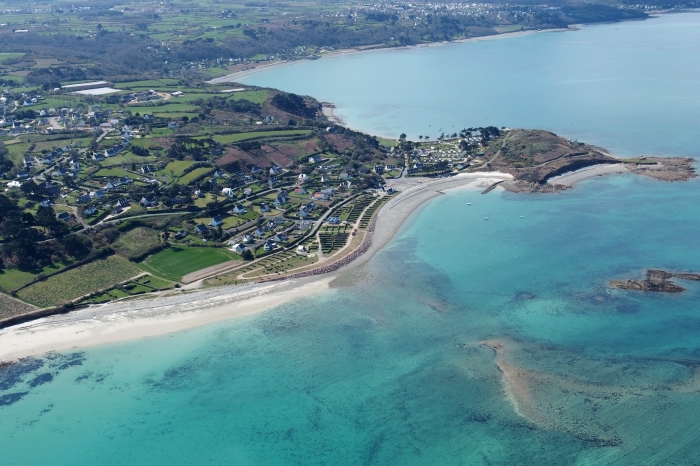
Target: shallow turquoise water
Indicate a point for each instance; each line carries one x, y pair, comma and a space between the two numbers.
390, 370
632, 87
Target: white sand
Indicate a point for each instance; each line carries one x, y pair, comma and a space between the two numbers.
574, 177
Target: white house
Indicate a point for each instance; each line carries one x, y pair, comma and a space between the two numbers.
302, 178
216, 221
315, 159
239, 209
238, 248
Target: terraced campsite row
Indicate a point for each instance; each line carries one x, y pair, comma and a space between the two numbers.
333, 238
357, 208
278, 263
367, 217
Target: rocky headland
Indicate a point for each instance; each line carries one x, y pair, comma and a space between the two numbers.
534, 157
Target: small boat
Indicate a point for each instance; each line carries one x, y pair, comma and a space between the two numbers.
521, 216
486, 218
469, 203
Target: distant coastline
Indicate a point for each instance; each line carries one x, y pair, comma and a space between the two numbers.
231, 78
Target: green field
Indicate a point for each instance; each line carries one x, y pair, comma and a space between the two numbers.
136, 242
77, 282
226, 138
257, 97
126, 159
194, 174
11, 279
114, 172
176, 167
175, 262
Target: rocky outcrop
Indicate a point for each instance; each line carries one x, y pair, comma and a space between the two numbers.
665, 169
656, 281
522, 186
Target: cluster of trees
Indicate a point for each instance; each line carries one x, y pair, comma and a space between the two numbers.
292, 103
197, 149
5, 163
112, 55
25, 243
228, 105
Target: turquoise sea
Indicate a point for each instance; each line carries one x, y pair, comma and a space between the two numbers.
387, 367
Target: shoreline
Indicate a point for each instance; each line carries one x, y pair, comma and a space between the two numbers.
231, 78
175, 311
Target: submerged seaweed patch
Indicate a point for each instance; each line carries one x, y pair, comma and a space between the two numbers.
40, 380
15, 373
11, 398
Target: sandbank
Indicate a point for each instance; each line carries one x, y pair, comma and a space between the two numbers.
574, 177
178, 310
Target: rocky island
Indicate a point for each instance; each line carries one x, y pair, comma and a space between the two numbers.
656, 281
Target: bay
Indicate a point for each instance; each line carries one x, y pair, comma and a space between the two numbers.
463, 341
633, 88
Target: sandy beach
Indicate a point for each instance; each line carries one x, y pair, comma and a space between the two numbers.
588, 172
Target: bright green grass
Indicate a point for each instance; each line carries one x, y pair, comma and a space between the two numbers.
193, 175
11, 279
114, 172
175, 262
176, 167
125, 159
257, 97
174, 115
387, 142
154, 282
226, 138
176, 107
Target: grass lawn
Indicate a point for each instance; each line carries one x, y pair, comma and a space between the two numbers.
176, 167
257, 97
114, 172
154, 282
193, 175
174, 115
126, 159
175, 262
74, 283
226, 138
11, 279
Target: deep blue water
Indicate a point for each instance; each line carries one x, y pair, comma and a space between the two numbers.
390, 369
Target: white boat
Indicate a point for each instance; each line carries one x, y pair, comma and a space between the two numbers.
486, 218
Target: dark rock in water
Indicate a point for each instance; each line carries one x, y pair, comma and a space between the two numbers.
656, 281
